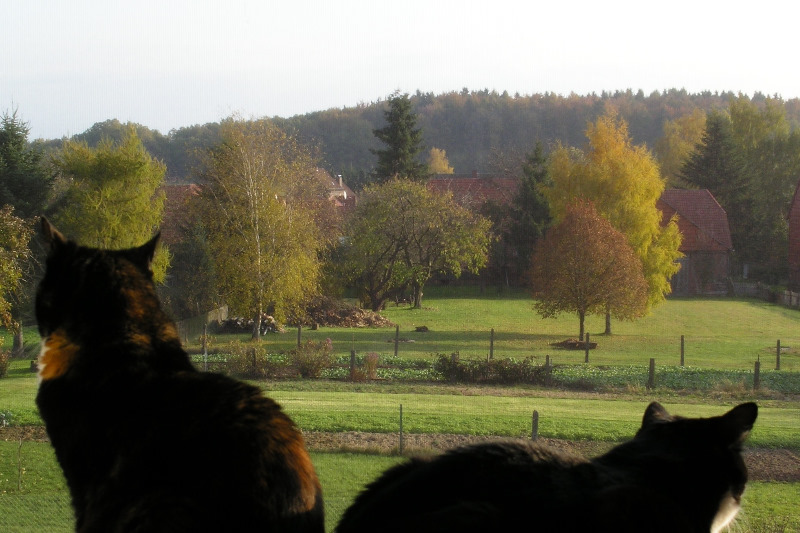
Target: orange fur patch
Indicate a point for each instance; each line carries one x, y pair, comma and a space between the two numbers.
309, 483
56, 355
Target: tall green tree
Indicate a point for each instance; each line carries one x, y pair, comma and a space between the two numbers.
584, 265
260, 204
623, 182
25, 181
111, 195
520, 223
770, 152
401, 234
403, 143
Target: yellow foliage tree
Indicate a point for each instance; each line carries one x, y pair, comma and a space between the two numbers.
623, 182
438, 163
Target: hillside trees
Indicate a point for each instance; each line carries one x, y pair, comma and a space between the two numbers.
400, 234
403, 143
623, 183
260, 204
110, 195
583, 265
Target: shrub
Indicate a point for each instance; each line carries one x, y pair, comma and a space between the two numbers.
252, 361
311, 358
497, 371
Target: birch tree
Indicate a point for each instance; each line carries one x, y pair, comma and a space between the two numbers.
259, 201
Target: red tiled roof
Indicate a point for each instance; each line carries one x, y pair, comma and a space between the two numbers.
702, 221
473, 191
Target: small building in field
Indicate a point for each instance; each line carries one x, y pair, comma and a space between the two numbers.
706, 244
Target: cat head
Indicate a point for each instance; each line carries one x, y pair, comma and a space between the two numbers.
91, 286
698, 461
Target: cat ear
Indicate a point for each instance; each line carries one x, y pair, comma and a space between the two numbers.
145, 253
52, 236
654, 414
738, 422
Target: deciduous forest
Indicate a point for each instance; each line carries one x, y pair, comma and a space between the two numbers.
477, 129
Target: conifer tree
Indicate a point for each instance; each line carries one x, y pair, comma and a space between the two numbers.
403, 140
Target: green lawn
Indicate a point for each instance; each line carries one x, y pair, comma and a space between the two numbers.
719, 333
42, 504
724, 337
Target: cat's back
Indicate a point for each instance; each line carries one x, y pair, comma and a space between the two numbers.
495, 486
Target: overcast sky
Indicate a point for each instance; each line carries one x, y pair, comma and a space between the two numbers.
65, 65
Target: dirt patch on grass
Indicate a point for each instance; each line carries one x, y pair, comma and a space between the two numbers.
763, 464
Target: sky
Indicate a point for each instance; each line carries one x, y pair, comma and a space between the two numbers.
167, 64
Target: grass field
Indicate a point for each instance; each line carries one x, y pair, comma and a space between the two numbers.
723, 338
718, 333
41, 503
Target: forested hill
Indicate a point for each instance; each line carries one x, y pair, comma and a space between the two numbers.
470, 126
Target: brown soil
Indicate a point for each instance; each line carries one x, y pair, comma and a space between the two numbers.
763, 464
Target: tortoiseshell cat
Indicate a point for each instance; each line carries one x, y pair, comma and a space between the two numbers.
677, 475
146, 442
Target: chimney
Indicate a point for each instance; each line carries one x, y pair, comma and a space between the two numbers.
340, 180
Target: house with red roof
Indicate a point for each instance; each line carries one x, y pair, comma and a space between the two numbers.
706, 244
474, 190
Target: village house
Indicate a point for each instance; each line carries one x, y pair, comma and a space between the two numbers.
474, 190
706, 244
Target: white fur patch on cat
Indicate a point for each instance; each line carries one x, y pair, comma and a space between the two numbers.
728, 508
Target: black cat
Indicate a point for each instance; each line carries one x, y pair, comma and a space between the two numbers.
677, 475
146, 442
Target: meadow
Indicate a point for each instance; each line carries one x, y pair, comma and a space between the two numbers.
723, 339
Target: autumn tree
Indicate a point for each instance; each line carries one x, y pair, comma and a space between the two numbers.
400, 234
15, 234
438, 163
584, 265
111, 195
260, 201
403, 143
623, 182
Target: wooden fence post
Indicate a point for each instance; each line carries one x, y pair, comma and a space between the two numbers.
651, 379
491, 345
352, 365
535, 425
682, 358
396, 339
299, 334
757, 375
586, 346
778, 356
400, 443
548, 372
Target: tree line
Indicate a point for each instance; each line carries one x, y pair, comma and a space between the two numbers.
264, 237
